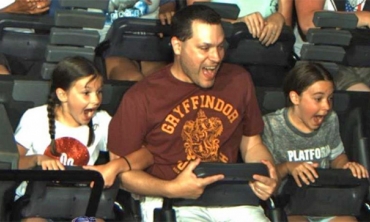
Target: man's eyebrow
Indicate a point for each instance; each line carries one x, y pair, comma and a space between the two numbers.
211, 44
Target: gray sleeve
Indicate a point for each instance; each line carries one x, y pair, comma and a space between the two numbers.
267, 138
336, 143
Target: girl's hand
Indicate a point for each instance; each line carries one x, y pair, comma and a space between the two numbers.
304, 172
48, 163
254, 22
357, 170
272, 29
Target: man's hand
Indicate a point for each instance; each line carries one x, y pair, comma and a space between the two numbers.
264, 186
108, 173
188, 185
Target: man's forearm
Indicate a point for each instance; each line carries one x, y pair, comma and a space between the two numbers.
138, 160
258, 153
140, 182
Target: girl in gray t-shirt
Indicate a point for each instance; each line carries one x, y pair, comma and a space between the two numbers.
305, 134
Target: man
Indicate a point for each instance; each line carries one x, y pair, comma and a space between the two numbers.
196, 109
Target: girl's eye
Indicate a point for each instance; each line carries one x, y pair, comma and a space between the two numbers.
86, 93
318, 99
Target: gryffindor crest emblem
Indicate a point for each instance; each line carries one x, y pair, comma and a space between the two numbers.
201, 137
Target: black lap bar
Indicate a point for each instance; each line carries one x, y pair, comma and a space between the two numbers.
233, 190
96, 4
74, 37
57, 53
329, 37
138, 39
328, 19
77, 19
244, 49
323, 53
335, 192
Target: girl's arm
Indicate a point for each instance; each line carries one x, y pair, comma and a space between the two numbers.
301, 171
339, 161
27, 162
358, 170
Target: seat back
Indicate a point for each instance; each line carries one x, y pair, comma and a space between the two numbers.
74, 32
113, 91
8, 161
19, 94
29, 45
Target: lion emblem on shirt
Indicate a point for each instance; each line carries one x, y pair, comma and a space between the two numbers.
201, 137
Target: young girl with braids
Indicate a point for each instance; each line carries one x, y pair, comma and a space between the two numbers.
68, 130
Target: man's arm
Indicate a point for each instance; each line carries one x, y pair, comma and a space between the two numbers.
253, 150
185, 185
137, 160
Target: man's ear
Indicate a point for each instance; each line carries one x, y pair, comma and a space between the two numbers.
61, 94
294, 97
176, 45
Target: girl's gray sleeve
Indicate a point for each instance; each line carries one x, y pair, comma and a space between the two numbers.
336, 143
267, 137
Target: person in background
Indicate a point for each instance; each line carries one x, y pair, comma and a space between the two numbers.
122, 68
19, 7
264, 19
348, 78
